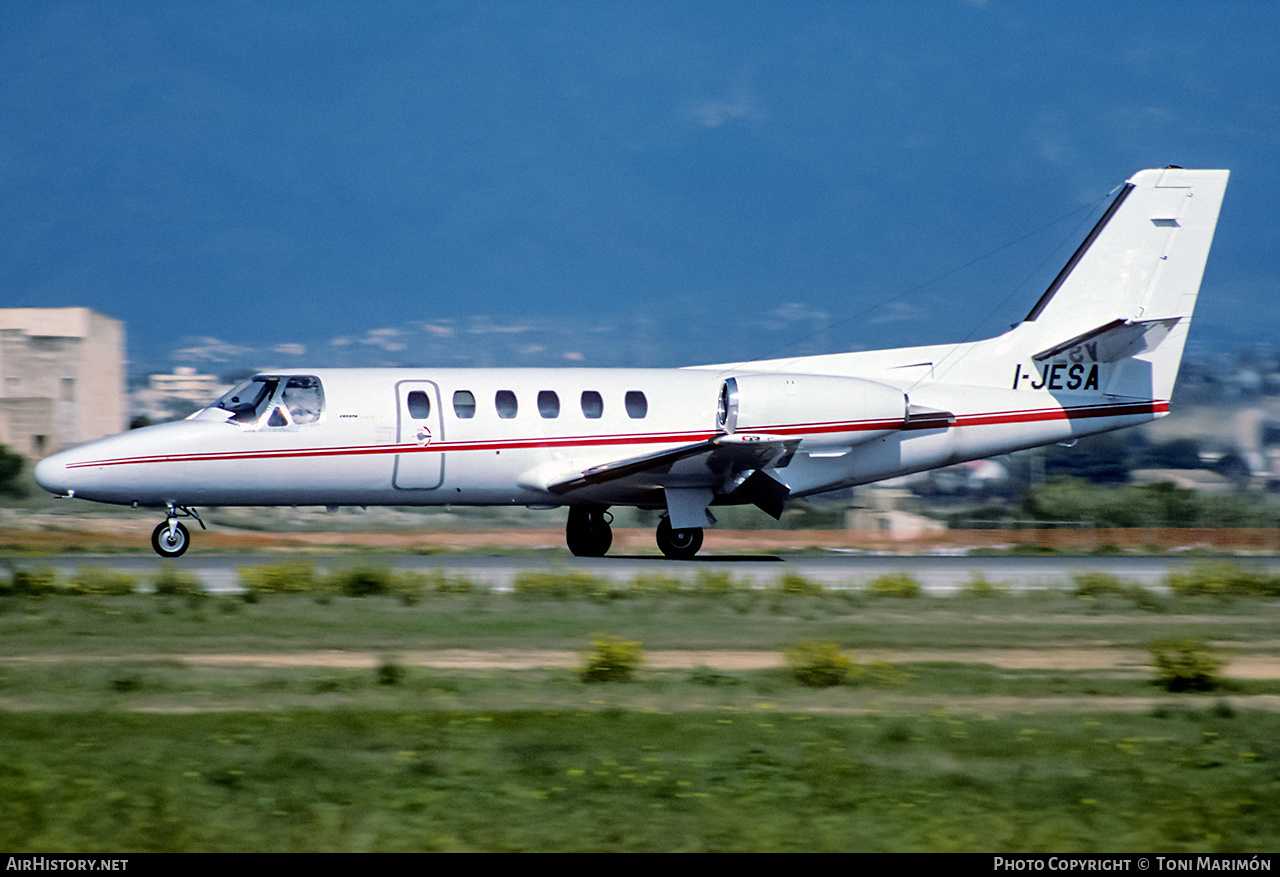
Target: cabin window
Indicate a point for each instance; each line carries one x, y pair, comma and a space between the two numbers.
592, 405
505, 402
637, 404
464, 404
277, 418
249, 400
548, 404
304, 398
419, 405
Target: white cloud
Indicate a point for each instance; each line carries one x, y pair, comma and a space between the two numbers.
714, 113
482, 326
383, 339
210, 349
437, 330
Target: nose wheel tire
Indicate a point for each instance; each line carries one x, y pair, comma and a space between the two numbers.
678, 544
169, 544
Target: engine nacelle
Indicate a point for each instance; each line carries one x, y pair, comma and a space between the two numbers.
821, 410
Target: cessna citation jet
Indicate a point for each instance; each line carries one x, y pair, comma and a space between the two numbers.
1099, 351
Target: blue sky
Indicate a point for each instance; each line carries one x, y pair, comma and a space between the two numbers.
272, 184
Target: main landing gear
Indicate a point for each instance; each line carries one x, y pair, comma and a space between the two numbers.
171, 538
588, 534
678, 544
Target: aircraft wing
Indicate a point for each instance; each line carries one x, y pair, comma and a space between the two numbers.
727, 463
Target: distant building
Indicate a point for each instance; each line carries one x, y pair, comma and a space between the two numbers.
187, 384
62, 378
173, 396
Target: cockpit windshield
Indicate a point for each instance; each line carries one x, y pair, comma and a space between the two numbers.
302, 399
248, 400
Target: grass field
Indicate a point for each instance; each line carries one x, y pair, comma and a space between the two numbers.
315, 721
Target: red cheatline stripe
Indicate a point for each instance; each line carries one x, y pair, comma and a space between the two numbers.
987, 419
434, 447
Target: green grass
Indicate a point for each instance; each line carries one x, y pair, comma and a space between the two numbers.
769, 620
114, 738
618, 780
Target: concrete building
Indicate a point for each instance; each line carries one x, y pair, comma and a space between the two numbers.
174, 396
188, 385
62, 378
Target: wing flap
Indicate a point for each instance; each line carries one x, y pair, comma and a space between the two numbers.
722, 457
657, 462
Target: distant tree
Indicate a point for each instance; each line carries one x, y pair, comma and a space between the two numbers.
11, 465
1148, 505
1233, 466
1180, 453
1101, 459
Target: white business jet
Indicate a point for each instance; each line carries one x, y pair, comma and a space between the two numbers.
1099, 351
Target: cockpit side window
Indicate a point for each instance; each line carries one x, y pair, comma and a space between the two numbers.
304, 397
249, 400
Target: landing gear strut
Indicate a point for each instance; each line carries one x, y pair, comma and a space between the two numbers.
678, 544
588, 533
171, 538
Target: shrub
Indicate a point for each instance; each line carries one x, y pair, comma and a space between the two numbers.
389, 672
978, 586
100, 581
1096, 584
440, 582
559, 585
653, 585
820, 665
32, 582
895, 584
885, 674
295, 577
11, 466
364, 581
716, 583
1184, 664
794, 583
611, 660
1223, 579
172, 582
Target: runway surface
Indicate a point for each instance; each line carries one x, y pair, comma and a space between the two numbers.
938, 575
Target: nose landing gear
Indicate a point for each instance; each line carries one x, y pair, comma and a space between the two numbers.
171, 538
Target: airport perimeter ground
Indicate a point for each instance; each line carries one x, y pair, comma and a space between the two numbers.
457, 719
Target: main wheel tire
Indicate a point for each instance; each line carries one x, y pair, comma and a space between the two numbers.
589, 541
588, 533
678, 544
167, 545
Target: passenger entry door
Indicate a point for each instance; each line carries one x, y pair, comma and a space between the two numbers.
418, 425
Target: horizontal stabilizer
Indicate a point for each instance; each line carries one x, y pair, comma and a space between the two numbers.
1116, 340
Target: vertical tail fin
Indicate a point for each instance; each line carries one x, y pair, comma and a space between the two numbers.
1130, 289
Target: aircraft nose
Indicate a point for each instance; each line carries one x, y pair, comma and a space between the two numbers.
51, 474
